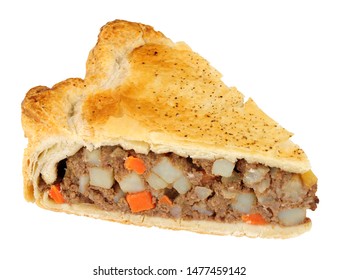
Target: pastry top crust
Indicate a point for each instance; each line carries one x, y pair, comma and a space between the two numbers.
144, 92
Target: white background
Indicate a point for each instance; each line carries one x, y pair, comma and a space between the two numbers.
282, 54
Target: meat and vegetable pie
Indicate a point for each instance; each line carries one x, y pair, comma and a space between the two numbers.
152, 136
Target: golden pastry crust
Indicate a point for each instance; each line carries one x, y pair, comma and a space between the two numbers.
144, 92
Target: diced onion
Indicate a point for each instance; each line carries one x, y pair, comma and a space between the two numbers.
202, 192
228, 194
263, 185
223, 167
265, 199
101, 177
244, 202
167, 171
293, 189
156, 182
176, 211
255, 175
119, 194
292, 217
93, 157
83, 183
201, 208
132, 183
182, 185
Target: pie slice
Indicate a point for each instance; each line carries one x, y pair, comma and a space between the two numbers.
153, 137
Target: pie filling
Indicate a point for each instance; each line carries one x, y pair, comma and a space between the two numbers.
171, 186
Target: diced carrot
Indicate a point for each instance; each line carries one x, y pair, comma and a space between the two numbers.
309, 179
254, 219
140, 201
56, 195
135, 164
165, 200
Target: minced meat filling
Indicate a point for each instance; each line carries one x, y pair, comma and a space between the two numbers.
171, 186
